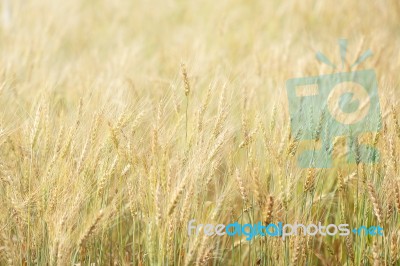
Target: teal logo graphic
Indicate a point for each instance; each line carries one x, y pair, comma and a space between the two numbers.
339, 104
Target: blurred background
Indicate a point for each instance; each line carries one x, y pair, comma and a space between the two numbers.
133, 48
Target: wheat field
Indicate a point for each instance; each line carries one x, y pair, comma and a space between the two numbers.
121, 121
